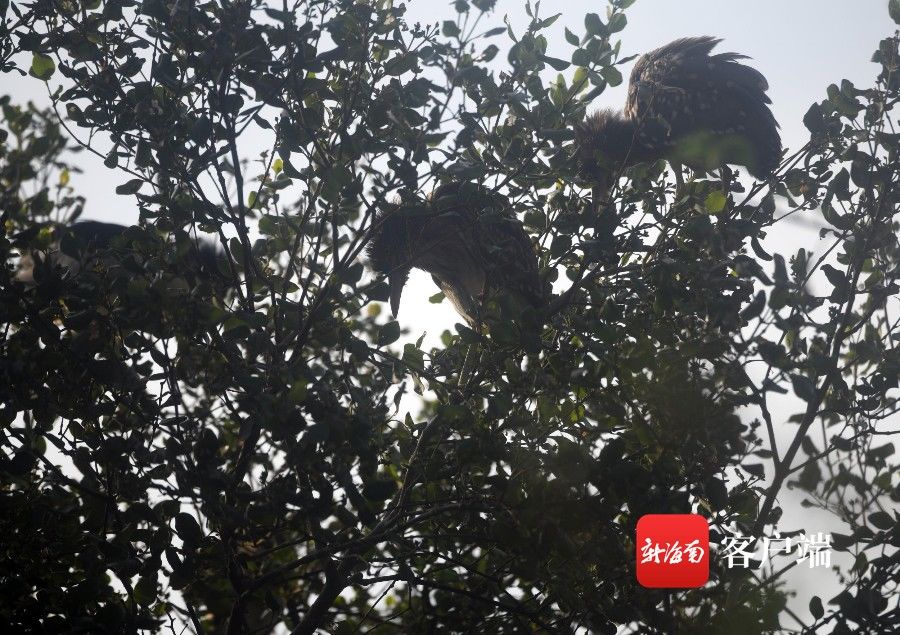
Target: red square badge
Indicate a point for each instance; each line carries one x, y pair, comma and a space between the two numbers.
672, 551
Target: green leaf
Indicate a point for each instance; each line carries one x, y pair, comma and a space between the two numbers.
580, 78
560, 245
450, 28
145, 590
803, 387
389, 333
761, 253
612, 75
837, 278
571, 38
715, 202
556, 63
548, 21
881, 452
413, 357
814, 119
379, 489
42, 66
400, 64
581, 57
831, 215
617, 22
844, 104
815, 607
755, 307
594, 24
298, 392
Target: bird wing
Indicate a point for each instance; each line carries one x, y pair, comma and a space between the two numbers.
511, 262
682, 89
509, 258
473, 246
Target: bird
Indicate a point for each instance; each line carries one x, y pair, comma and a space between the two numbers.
468, 239
687, 105
69, 250
86, 245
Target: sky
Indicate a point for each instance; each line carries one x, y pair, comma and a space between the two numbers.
801, 46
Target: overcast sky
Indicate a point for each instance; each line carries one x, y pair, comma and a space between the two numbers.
801, 46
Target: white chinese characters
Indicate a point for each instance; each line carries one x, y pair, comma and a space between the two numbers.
671, 553
814, 549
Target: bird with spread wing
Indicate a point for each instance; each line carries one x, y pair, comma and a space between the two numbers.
467, 238
687, 105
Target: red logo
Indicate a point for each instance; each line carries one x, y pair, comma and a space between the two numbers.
672, 551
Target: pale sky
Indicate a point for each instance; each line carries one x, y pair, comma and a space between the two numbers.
801, 46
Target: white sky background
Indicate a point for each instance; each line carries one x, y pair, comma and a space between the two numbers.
801, 46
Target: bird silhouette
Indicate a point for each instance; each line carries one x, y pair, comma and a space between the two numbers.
468, 239
87, 245
686, 105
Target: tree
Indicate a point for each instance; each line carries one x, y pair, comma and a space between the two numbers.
235, 459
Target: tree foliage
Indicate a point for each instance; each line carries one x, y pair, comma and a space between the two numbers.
239, 457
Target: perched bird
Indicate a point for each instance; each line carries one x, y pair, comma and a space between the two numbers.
466, 237
70, 247
89, 244
687, 105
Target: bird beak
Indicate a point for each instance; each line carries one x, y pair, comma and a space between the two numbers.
396, 282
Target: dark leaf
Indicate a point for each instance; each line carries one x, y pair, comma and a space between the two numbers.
556, 63
882, 520
130, 187
803, 387
389, 333
815, 607
188, 529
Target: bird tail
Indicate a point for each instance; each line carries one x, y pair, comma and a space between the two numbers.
752, 85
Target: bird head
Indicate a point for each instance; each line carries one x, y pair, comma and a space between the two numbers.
604, 144
391, 251
604, 141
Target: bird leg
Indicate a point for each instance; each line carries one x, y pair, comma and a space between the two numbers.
679, 180
472, 351
726, 176
462, 381
597, 194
